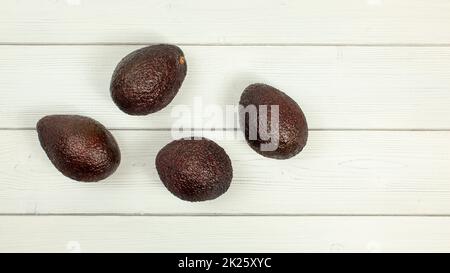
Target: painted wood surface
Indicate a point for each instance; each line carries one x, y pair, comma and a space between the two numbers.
372, 77
338, 173
226, 22
224, 234
337, 87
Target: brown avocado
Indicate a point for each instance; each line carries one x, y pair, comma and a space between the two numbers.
279, 136
194, 169
79, 147
147, 80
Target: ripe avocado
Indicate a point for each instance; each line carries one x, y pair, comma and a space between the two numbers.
147, 80
292, 133
79, 147
194, 170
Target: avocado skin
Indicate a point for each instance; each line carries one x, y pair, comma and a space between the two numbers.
194, 170
293, 128
79, 147
147, 80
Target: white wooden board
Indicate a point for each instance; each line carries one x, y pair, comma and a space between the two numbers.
338, 173
337, 87
372, 77
225, 22
224, 234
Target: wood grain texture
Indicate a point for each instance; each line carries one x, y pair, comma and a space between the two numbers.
337, 87
224, 22
365, 65
224, 234
339, 173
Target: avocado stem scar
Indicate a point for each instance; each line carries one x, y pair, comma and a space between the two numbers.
181, 60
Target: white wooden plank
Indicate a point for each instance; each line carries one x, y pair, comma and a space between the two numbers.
338, 173
233, 21
337, 87
224, 234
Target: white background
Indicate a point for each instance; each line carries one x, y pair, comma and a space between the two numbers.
372, 76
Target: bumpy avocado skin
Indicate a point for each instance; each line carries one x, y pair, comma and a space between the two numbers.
79, 147
148, 79
293, 128
194, 169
